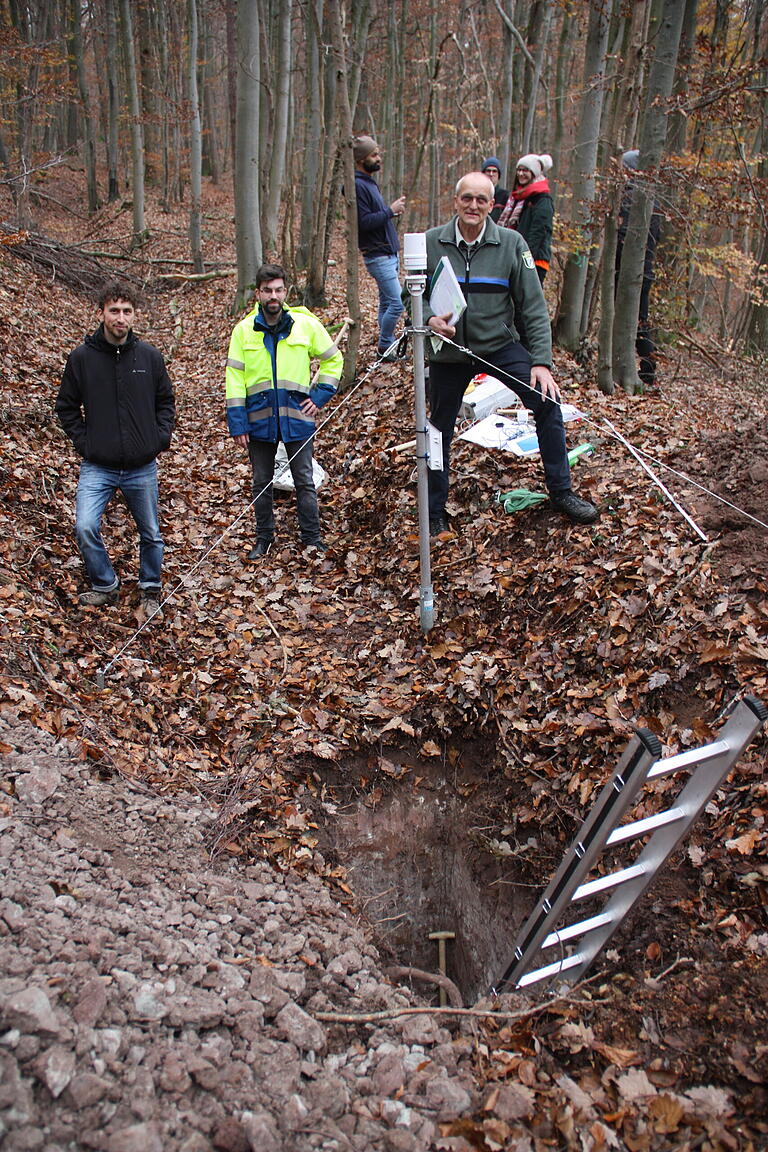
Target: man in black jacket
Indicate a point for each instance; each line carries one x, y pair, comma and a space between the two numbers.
116, 405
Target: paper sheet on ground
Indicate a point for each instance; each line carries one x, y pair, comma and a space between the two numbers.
500, 432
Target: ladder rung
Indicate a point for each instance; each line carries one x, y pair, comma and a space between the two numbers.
640, 827
610, 881
579, 929
688, 759
550, 970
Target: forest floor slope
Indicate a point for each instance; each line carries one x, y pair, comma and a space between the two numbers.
269, 692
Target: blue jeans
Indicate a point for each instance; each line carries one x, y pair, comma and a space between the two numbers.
262, 454
447, 384
385, 271
95, 489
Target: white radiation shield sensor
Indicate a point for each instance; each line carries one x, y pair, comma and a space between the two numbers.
415, 251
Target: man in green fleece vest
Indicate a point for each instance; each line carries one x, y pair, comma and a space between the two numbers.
497, 274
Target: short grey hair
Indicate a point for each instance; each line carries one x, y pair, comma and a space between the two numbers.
467, 174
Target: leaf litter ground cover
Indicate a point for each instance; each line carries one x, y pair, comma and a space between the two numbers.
266, 688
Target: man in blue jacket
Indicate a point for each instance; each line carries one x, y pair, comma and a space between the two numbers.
377, 238
271, 397
116, 405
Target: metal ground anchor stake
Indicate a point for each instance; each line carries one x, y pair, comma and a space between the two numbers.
441, 938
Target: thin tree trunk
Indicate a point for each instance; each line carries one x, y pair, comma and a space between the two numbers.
313, 124
85, 101
279, 133
137, 135
318, 252
247, 175
230, 15
212, 159
113, 101
530, 119
148, 80
195, 149
607, 289
350, 194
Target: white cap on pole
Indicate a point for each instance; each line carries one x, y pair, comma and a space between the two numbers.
415, 251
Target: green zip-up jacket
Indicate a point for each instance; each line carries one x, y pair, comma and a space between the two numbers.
497, 277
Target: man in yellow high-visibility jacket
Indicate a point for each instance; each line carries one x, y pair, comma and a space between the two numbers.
271, 398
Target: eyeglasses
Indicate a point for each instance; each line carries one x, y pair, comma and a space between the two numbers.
481, 201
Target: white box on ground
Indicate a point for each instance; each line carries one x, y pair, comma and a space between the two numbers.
283, 480
484, 397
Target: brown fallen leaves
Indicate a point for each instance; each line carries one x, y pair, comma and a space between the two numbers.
550, 642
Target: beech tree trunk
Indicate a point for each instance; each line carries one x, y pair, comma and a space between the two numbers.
569, 322
652, 138
89, 142
195, 148
279, 126
137, 134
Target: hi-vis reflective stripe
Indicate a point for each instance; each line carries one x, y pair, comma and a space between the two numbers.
235, 401
284, 410
235, 364
328, 353
295, 414
286, 385
260, 414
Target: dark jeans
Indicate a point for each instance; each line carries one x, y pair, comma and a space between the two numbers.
262, 455
447, 384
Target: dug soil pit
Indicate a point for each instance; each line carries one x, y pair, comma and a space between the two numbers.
428, 850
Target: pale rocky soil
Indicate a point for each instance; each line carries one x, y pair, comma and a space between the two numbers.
152, 1000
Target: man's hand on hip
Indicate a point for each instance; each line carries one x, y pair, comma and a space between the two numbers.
309, 408
543, 379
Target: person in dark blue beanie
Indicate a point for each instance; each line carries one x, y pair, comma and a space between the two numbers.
492, 169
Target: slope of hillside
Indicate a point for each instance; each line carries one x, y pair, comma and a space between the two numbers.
285, 692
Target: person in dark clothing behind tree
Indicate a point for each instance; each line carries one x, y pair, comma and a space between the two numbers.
492, 169
377, 238
530, 208
116, 405
645, 344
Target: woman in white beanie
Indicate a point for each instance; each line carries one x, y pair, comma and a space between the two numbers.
530, 209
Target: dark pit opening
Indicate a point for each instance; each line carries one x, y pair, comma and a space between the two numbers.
431, 849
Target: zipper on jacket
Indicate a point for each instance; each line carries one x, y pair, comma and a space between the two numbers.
468, 256
118, 350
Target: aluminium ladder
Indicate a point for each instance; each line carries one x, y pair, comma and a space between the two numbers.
575, 946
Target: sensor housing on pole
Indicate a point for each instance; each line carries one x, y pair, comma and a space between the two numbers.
415, 264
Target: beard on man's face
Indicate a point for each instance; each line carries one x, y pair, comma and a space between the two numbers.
372, 165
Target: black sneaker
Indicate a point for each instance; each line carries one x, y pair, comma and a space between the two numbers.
438, 524
578, 510
260, 548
